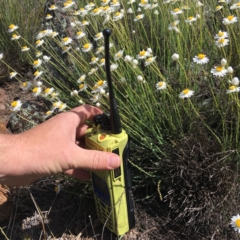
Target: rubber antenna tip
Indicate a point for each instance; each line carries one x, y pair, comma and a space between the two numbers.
106, 32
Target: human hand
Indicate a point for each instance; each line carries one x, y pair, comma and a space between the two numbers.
51, 148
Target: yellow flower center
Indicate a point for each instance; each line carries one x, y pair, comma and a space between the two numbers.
86, 46
38, 41
65, 39
176, 9
218, 7
144, 2
24, 47
82, 9
100, 83
174, 24
185, 91
221, 40
160, 84
36, 73
105, 8
102, 60
81, 86
98, 35
190, 18
48, 113
35, 62
11, 26
14, 35
219, 68
201, 56
237, 222
149, 59
84, 22
220, 34
24, 84
35, 89
142, 53
230, 18
49, 15
115, 1
238, 4
93, 59
47, 90
79, 33
233, 88
52, 6
96, 10
138, 16
14, 103
117, 14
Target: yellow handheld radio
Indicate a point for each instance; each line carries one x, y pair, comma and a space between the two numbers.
112, 188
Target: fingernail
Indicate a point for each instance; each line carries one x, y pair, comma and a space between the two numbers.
113, 161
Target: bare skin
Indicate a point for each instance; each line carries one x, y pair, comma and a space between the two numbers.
51, 148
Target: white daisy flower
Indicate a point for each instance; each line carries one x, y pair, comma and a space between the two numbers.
117, 16
66, 41
172, 25
79, 35
223, 62
41, 34
134, 63
82, 87
106, 19
100, 85
201, 59
199, 4
113, 66
68, 5
176, 11
48, 91
231, 90
105, 2
37, 74
54, 34
92, 71
128, 58
48, 114
98, 104
102, 62
54, 95
98, 36
74, 93
234, 81
143, 54
115, 3
15, 37
222, 42
83, 12
118, 55
175, 57
186, 93
82, 78
38, 54
25, 49
94, 60
16, 106
12, 28
84, 23
62, 106
56, 104
131, 1
96, 11
139, 78
26, 85
191, 19
149, 61
37, 91
219, 71
37, 63
218, 8
161, 85
235, 6
96, 97
90, 6
76, 13
129, 10
1, 56
12, 74
229, 20
230, 70
87, 47
52, 7
100, 50
139, 17
49, 16
66, 49
46, 58
221, 34
39, 83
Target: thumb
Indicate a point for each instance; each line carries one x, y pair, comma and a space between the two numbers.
94, 160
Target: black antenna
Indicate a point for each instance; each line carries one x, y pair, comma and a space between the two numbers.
116, 126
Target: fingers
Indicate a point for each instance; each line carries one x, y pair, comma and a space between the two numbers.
79, 173
93, 159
